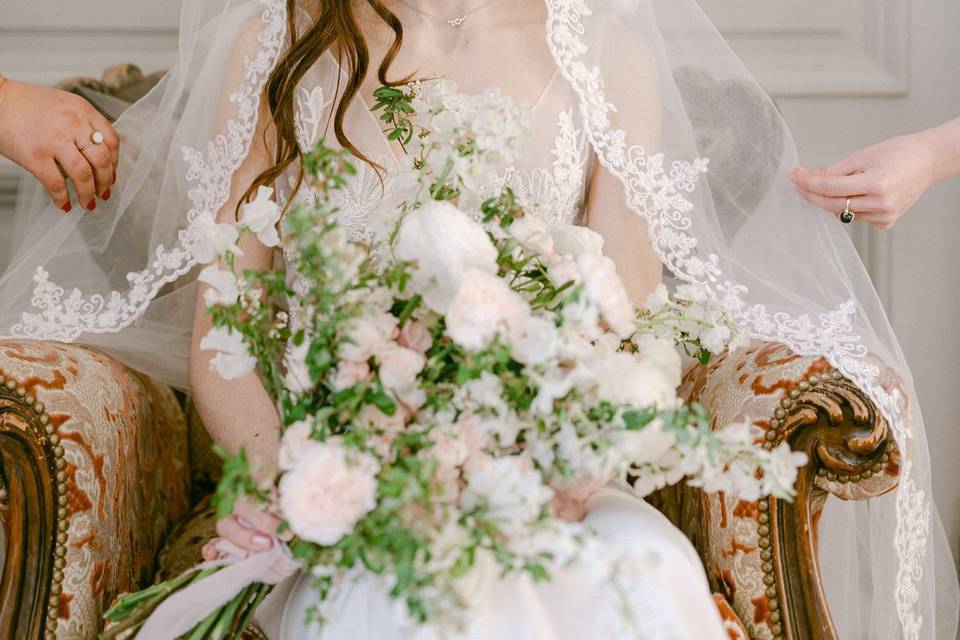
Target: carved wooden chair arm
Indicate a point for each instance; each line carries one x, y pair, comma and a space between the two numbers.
92, 476
763, 555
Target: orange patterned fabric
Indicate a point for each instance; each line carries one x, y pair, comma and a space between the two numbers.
125, 444
749, 384
731, 622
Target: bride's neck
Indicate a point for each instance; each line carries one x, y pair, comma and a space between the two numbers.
439, 8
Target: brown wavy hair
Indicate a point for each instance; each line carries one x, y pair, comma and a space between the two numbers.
334, 28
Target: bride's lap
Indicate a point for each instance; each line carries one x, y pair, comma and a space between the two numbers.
518, 608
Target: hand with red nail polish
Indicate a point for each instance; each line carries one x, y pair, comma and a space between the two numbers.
43, 130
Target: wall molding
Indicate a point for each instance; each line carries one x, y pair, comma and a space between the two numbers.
829, 62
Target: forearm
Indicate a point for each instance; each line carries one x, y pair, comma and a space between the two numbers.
944, 144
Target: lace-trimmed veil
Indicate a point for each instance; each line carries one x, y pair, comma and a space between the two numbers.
669, 110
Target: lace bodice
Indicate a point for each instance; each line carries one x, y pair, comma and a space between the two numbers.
551, 181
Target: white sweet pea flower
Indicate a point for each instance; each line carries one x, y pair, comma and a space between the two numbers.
213, 239
780, 474
233, 359
538, 342
663, 354
510, 488
444, 243
657, 299
715, 338
261, 216
328, 491
484, 307
297, 378
223, 286
367, 336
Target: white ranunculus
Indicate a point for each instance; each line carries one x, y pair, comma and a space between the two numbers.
223, 286
605, 288
297, 378
233, 359
533, 233
484, 307
624, 379
261, 216
367, 336
538, 342
328, 491
662, 353
296, 440
212, 239
576, 240
445, 243
399, 367
510, 488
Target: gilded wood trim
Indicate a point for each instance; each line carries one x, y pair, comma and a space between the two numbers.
33, 514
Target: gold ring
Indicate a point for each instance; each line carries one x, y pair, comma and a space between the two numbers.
847, 215
95, 138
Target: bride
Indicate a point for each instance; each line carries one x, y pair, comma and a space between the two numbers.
647, 129
326, 78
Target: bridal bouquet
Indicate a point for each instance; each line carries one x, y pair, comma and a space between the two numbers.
445, 389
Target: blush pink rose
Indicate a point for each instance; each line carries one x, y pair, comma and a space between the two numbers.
350, 373
328, 491
415, 335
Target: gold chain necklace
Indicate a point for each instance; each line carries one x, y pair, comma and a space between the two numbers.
456, 21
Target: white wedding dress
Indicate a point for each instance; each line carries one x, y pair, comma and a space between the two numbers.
552, 182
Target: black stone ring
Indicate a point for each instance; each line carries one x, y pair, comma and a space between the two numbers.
847, 215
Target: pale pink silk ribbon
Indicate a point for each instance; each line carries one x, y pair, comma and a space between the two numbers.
183, 610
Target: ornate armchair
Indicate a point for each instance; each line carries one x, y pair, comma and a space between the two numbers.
100, 466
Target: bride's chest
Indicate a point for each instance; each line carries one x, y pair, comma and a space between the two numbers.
549, 180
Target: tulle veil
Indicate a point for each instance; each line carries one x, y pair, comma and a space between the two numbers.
669, 109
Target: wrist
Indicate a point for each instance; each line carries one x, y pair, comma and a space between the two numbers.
943, 143
7, 89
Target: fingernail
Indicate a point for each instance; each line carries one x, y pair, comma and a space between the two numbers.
67, 207
92, 205
261, 542
106, 194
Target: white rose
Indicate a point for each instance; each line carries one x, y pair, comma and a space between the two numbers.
563, 269
605, 288
538, 342
349, 373
623, 379
233, 359
444, 243
261, 216
367, 335
297, 378
296, 440
223, 286
483, 308
328, 491
399, 367
510, 488
576, 240
213, 240
533, 233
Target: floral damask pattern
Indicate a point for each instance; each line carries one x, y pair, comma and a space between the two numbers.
124, 439
748, 385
